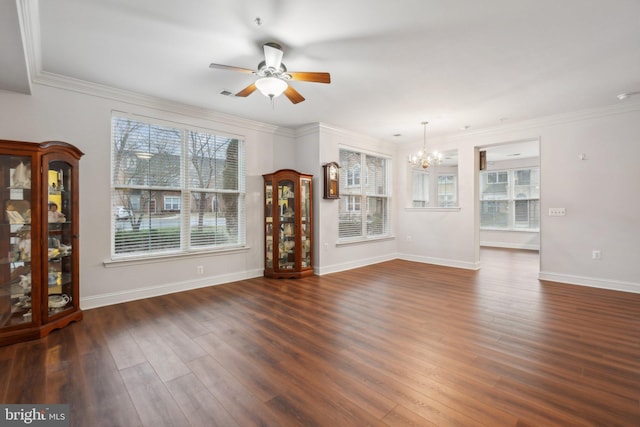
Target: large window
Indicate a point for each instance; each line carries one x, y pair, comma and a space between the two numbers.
364, 196
174, 189
510, 199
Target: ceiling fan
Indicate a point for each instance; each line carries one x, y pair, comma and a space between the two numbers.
274, 76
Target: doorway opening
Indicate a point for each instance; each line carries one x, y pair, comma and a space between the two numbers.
508, 192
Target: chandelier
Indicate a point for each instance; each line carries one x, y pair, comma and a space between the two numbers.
422, 158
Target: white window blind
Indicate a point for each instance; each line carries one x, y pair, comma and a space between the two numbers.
174, 189
364, 202
420, 190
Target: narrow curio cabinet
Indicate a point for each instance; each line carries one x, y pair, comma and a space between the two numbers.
288, 222
39, 288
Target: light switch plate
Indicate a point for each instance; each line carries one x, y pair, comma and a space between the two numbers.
557, 212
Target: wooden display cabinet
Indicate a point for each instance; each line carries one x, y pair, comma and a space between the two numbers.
288, 222
39, 226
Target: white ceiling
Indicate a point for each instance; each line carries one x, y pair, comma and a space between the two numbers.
393, 63
513, 151
13, 65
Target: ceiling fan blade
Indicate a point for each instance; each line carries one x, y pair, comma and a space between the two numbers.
310, 77
273, 55
230, 68
247, 90
293, 95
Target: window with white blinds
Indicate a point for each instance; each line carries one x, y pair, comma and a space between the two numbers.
174, 189
364, 196
510, 199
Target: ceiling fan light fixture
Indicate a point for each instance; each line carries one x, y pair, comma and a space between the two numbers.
271, 87
272, 76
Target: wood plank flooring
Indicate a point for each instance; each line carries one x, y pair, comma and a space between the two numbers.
393, 344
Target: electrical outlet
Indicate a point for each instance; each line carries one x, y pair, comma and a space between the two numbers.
200, 269
595, 254
557, 212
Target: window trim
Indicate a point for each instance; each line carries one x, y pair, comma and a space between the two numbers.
157, 258
434, 209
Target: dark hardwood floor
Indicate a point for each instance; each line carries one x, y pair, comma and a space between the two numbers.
397, 343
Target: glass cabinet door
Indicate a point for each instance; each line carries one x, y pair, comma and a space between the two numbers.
287, 243
15, 241
268, 232
305, 222
59, 232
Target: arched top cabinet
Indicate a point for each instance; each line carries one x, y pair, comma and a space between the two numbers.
288, 224
39, 239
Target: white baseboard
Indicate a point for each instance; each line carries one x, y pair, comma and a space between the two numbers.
590, 281
95, 301
527, 246
441, 261
353, 264
111, 298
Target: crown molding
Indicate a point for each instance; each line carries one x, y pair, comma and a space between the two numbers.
319, 127
107, 92
29, 16
308, 129
547, 121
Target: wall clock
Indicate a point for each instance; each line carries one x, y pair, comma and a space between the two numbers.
331, 181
